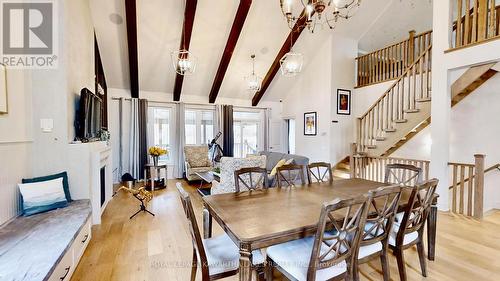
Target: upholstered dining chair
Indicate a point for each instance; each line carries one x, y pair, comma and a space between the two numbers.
219, 256
250, 179
403, 174
340, 224
319, 172
290, 175
408, 228
382, 207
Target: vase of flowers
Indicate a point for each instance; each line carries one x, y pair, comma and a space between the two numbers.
156, 152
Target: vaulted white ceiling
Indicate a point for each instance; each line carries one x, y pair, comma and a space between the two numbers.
264, 32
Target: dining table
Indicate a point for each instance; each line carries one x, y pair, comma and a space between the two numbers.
262, 218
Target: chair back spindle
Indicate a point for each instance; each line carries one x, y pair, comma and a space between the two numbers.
290, 175
250, 179
403, 174
319, 172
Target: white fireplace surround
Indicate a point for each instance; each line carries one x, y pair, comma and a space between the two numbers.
84, 173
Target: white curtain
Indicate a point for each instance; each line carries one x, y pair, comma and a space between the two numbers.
181, 141
219, 124
134, 138
267, 120
120, 149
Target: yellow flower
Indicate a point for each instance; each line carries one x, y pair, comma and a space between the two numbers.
157, 151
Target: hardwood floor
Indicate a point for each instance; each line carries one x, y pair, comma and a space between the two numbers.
159, 248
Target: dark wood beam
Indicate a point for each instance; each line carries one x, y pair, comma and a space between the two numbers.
289, 42
238, 22
131, 15
187, 29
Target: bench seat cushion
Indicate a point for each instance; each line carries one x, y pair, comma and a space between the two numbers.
31, 247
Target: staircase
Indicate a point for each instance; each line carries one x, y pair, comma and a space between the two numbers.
405, 108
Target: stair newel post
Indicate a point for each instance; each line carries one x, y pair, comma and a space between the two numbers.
359, 133
352, 161
479, 186
411, 48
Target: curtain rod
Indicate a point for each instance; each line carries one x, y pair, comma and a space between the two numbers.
188, 103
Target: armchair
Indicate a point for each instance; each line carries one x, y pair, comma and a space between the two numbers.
196, 160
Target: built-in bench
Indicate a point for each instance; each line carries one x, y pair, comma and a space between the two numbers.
46, 246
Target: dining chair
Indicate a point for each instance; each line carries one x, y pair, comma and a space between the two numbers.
290, 175
408, 230
250, 179
319, 172
403, 174
382, 207
219, 256
340, 224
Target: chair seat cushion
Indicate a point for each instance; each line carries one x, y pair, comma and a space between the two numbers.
367, 250
223, 255
409, 237
294, 256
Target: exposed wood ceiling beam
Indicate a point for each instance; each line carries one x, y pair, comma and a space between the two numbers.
131, 15
238, 22
187, 29
289, 42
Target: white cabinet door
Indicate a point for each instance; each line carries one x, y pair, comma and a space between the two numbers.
276, 136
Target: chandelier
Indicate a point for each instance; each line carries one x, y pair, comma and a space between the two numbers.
318, 12
291, 62
253, 81
184, 62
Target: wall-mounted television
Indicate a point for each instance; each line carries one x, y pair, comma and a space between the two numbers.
88, 116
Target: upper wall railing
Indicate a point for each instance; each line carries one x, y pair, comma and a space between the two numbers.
476, 21
391, 62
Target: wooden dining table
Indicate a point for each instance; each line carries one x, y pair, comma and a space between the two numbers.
263, 218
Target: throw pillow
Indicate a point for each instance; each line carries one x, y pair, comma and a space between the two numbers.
42, 196
275, 169
62, 175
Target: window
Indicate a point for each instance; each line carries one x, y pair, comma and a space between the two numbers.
246, 126
160, 129
199, 126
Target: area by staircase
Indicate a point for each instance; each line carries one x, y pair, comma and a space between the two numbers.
405, 108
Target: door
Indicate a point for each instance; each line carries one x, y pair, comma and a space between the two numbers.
246, 136
276, 136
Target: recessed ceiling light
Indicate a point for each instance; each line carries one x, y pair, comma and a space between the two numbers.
264, 50
116, 18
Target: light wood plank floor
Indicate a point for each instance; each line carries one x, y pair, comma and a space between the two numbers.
159, 248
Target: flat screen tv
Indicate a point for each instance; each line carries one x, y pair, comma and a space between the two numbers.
88, 116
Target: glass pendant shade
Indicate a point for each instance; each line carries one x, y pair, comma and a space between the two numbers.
291, 64
254, 82
184, 62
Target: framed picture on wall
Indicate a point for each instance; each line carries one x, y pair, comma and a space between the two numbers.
310, 123
343, 102
3, 89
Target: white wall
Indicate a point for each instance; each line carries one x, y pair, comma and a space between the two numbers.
473, 129
15, 141
311, 90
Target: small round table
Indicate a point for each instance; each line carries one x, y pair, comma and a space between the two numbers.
157, 182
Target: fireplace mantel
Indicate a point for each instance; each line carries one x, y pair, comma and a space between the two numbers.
84, 172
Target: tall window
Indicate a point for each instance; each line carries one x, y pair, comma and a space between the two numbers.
159, 130
246, 127
199, 126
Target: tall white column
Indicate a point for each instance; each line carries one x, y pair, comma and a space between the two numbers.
441, 100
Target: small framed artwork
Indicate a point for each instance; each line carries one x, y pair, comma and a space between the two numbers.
3, 89
343, 102
310, 123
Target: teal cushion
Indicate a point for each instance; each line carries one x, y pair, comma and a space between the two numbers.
63, 175
42, 196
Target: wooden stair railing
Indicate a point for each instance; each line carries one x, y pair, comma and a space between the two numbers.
391, 62
476, 21
467, 190
373, 168
412, 86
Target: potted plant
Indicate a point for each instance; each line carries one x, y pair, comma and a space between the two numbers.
156, 152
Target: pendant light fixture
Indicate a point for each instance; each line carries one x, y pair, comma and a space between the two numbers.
183, 61
291, 63
254, 82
